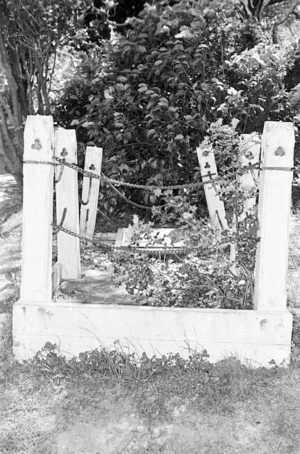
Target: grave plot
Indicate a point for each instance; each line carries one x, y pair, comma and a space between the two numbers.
256, 336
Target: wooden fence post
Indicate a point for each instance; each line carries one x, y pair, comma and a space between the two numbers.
215, 205
249, 155
273, 214
90, 192
68, 247
36, 283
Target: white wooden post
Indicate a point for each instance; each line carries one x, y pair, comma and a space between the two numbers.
209, 172
36, 282
273, 214
90, 192
249, 155
68, 247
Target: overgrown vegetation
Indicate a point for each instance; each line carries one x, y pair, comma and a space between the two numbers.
182, 75
149, 96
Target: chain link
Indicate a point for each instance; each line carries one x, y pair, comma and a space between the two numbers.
58, 229
137, 205
48, 163
105, 247
107, 217
140, 186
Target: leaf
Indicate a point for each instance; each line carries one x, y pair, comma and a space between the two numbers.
185, 34
157, 192
143, 89
74, 122
151, 132
158, 63
86, 124
124, 168
120, 87
179, 137
122, 79
9, 276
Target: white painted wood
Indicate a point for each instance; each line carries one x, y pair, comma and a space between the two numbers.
119, 238
273, 214
249, 155
254, 337
56, 277
88, 212
68, 247
36, 282
215, 205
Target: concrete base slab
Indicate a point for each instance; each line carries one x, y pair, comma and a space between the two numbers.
256, 337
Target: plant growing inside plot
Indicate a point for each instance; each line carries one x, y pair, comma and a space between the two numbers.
198, 275
201, 273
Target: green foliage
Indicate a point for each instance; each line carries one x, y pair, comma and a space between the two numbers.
205, 275
115, 363
149, 98
200, 274
154, 381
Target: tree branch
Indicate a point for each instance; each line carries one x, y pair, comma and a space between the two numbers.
14, 156
8, 111
6, 69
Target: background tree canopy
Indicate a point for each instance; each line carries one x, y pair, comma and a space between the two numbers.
149, 95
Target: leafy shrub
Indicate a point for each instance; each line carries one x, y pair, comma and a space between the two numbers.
154, 93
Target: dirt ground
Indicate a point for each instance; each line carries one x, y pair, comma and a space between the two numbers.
90, 416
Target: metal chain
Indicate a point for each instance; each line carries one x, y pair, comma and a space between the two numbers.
58, 228
137, 205
48, 163
138, 186
107, 217
166, 250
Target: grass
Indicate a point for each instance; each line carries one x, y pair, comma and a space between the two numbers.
105, 402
